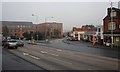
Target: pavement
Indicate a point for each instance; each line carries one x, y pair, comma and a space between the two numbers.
89, 44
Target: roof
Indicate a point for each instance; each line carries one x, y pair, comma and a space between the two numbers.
16, 23
108, 13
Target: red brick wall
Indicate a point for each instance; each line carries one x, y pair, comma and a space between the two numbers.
43, 28
105, 25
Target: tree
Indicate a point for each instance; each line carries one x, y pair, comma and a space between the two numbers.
5, 31
56, 33
27, 35
41, 35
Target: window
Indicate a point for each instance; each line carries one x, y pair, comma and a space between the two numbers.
113, 13
99, 29
110, 26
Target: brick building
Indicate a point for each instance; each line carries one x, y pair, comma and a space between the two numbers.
49, 29
107, 24
16, 28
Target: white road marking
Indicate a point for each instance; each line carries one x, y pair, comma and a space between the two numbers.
43, 51
49, 53
30, 55
59, 50
25, 53
34, 57
53, 54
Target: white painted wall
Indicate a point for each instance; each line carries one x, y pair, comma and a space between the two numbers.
79, 34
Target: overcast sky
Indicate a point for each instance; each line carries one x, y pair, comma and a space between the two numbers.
71, 14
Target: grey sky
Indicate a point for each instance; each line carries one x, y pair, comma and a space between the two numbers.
69, 13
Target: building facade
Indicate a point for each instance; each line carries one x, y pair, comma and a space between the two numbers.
111, 24
16, 28
49, 29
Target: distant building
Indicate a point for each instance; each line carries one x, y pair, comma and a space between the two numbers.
86, 32
99, 34
49, 29
77, 33
107, 24
16, 28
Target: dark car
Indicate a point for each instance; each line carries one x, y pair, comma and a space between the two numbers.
20, 43
3, 42
10, 44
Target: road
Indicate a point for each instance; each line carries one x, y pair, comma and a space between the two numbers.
81, 47
13, 62
61, 59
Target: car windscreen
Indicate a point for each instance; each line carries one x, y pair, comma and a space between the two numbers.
12, 41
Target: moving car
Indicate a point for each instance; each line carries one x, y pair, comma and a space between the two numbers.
20, 43
10, 44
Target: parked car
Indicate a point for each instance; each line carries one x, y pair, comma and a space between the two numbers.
68, 38
10, 44
20, 43
74, 39
3, 42
108, 43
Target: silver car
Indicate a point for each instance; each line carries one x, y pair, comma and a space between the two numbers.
10, 44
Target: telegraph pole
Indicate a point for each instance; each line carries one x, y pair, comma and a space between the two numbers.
111, 15
36, 26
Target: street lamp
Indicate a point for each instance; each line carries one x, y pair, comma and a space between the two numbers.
37, 23
47, 18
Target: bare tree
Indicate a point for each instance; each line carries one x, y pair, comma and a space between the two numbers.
5, 31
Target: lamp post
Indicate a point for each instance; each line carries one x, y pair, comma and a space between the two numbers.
36, 26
